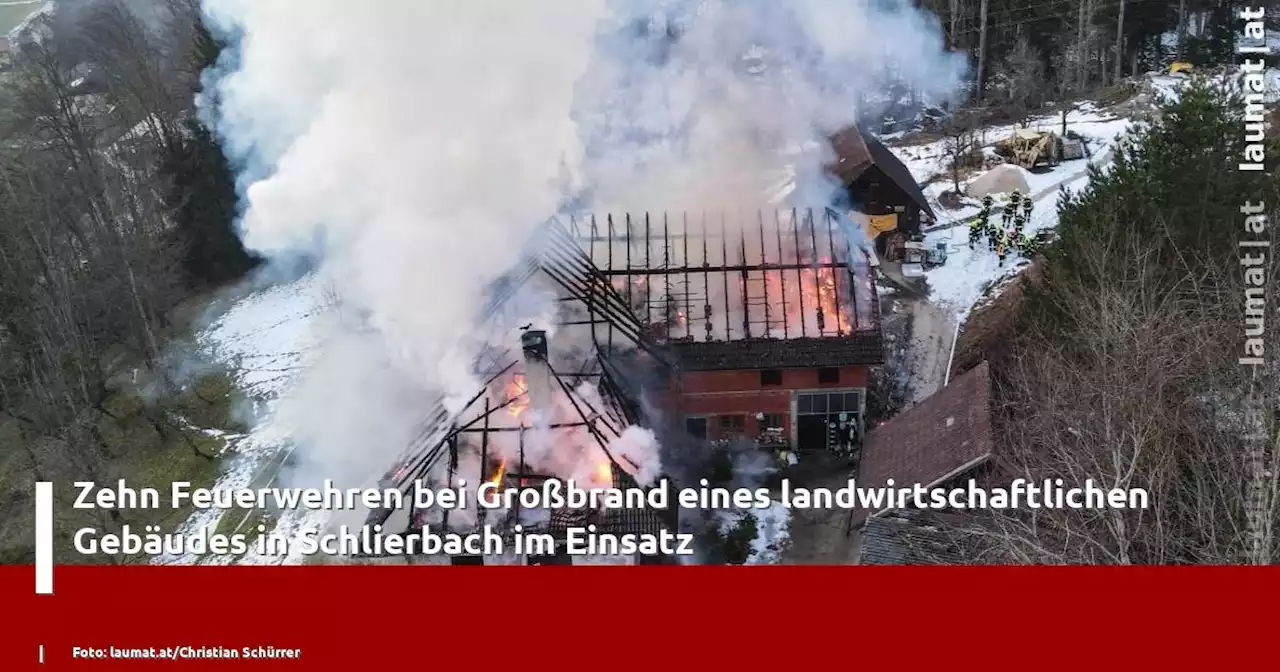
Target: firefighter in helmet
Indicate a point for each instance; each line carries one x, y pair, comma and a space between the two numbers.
1019, 222
975, 230
1006, 215
984, 216
1002, 247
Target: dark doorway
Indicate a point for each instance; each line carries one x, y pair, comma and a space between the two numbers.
811, 432
696, 427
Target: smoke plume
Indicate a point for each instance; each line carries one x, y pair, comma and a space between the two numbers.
413, 147
706, 105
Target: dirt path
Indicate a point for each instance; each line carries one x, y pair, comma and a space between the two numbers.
932, 330
818, 535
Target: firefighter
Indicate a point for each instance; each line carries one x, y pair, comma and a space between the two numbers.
1019, 221
976, 227
993, 232
1027, 206
1006, 215
984, 216
1002, 248
1029, 247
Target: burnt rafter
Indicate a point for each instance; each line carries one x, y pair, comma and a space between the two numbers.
555, 258
708, 278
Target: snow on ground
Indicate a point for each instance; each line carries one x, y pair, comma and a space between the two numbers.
960, 284
929, 166
265, 338
773, 531
967, 276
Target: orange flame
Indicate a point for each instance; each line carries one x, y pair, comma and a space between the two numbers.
827, 293
818, 289
499, 475
517, 396
604, 472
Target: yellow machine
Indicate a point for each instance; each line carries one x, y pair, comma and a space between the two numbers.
1031, 149
1181, 67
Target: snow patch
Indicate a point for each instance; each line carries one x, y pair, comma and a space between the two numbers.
773, 531
266, 338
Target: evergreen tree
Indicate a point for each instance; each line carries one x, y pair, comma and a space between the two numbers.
202, 196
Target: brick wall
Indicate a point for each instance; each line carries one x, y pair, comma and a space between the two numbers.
717, 393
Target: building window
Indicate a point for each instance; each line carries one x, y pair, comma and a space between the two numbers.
733, 426
828, 375
771, 421
696, 427
829, 421
771, 377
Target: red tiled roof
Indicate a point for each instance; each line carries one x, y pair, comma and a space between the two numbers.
934, 440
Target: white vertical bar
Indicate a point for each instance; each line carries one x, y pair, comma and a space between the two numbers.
44, 538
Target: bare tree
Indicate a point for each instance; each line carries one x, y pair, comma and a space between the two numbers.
1025, 76
1148, 394
959, 147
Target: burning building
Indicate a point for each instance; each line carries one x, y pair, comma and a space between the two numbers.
771, 318
555, 400
759, 324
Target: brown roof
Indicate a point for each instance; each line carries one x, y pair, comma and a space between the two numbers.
933, 441
852, 156
855, 153
862, 348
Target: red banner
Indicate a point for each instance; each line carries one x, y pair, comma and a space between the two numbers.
421, 618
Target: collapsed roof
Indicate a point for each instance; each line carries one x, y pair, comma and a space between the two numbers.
567, 406
762, 289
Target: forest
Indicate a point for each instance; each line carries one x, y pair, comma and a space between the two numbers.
117, 208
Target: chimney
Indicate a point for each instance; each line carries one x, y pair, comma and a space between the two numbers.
537, 372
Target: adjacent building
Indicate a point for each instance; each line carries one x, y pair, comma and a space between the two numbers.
942, 441
880, 186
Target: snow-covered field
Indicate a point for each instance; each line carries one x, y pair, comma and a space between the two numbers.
265, 338
968, 277
928, 162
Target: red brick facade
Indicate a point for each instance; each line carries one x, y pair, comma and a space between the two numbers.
713, 394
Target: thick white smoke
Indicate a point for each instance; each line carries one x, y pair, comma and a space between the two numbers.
415, 145
704, 105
